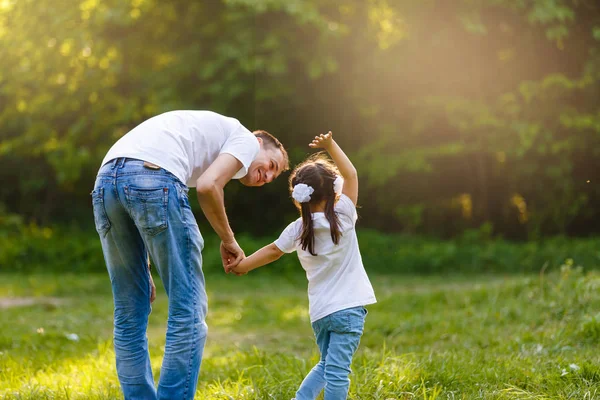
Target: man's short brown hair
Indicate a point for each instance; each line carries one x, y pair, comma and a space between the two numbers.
274, 143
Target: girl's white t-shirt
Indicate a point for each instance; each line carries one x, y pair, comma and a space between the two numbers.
186, 143
336, 276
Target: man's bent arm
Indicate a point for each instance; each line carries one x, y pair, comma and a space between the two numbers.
211, 197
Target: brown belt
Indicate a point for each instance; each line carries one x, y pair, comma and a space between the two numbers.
150, 165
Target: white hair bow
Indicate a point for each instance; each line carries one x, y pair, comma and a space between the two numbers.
338, 185
302, 192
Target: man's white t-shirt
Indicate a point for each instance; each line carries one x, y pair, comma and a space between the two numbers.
186, 143
336, 276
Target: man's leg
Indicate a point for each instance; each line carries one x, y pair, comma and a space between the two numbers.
314, 382
125, 257
176, 253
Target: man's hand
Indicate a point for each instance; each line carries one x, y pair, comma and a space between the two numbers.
322, 141
152, 290
231, 255
226, 257
152, 286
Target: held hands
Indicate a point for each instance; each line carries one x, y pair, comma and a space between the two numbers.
231, 255
322, 141
240, 269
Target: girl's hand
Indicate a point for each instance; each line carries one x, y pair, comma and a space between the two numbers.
239, 270
322, 141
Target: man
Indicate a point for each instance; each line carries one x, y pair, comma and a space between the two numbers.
141, 206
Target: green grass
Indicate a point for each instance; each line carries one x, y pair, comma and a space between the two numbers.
482, 337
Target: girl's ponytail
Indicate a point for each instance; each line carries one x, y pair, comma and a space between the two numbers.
332, 217
307, 237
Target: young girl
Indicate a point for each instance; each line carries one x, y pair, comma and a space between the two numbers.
338, 286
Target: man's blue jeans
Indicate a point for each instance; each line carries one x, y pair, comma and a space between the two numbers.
137, 211
338, 336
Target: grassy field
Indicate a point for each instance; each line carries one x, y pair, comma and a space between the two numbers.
482, 337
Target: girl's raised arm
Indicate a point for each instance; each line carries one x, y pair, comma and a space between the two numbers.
342, 161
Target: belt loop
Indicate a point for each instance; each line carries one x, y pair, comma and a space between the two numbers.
114, 163
122, 162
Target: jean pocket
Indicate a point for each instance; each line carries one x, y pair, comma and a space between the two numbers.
100, 217
356, 317
340, 321
148, 208
350, 320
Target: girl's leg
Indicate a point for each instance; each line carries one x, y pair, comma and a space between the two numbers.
347, 327
314, 382
337, 364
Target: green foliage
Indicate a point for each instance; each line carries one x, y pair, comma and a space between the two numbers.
441, 104
426, 338
30, 247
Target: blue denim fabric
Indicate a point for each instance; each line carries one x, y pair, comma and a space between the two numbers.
139, 211
338, 336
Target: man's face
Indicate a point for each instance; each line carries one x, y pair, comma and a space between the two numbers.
267, 166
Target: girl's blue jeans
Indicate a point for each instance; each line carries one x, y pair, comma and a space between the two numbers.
338, 336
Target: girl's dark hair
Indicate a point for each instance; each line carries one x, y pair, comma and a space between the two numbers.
319, 173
